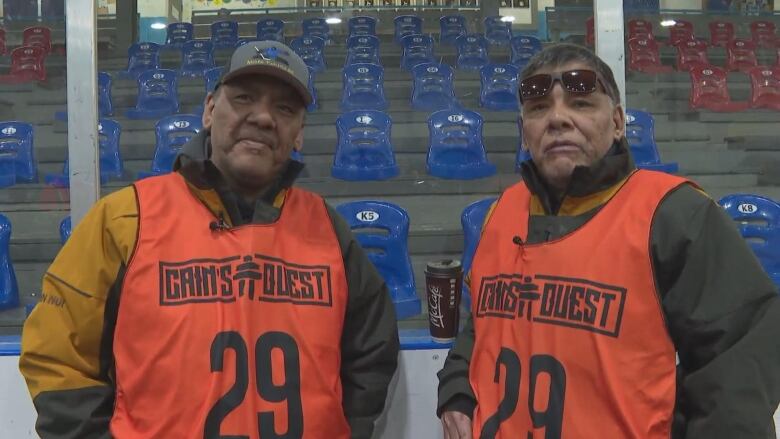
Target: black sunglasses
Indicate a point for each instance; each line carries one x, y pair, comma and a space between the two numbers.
579, 81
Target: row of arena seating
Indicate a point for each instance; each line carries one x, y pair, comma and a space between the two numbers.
364, 149
384, 226
644, 56
762, 33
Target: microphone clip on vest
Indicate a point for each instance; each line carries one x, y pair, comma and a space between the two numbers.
220, 225
517, 240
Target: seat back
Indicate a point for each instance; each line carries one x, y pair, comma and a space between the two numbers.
178, 34
638, 28
496, 31
455, 146
499, 87
417, 49
763, 33
721, 33
681, 31
142, 57
9, 289
382, 229
105, 101
17, 157
758, 221
472, 52
741, 55
224, 33
451, 27
524, 47
364, 150
640, 133
311, 49
270, 29
642, 54
211, 78
363, 87
109, 132
765, 87
37, 36
157, 91
407, 25
316, 27
65, 229
708, 84
691, 53
197, 56
172, 133
28, 63
472, 219
432, 87
361, 26
362, 49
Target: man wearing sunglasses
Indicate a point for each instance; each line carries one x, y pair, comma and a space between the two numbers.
590, 276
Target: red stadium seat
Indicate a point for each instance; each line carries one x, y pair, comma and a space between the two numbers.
741, 55
765, 86
690, 54
590, 32
721, 33
709, 90
26, 66
644, 56
642, 29
680, 32
37, 36
763, 33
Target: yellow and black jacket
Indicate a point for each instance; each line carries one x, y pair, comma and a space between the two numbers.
721, 310
67, 342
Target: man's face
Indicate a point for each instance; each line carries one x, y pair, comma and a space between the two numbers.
255, 122
562, 130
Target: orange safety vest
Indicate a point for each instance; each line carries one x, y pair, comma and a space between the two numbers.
570, 335
233, 332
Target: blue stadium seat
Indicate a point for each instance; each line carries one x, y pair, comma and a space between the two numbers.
472, 219
65, 229
522, 154
105, 102
524, 47
178, 34
758, 221
17, 157
224, 34
197, 56
172, 133
361, 26
497, 32
472, 52
364, 150
388, 249
312, 50
316, 27
417, 49
210, 80
407, 25
362, 49
363, 87
270, 29
451, 28
157, 95
640, 132
432, 87
313, 90
455, 148
499, 85
111, 166
296, 155
141, 57
9, 289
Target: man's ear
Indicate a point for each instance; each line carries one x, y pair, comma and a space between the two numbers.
523, 143
208, 109
298, 142
619, 121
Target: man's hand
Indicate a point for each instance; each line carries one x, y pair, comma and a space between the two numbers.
456, 425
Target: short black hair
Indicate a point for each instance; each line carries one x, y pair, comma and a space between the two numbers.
560, 54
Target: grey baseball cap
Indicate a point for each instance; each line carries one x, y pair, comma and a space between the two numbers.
270, 58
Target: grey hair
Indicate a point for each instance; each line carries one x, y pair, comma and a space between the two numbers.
564, 53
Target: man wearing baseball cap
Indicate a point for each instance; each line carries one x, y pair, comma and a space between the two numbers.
219, 300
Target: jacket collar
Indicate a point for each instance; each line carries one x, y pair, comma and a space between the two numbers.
604, 176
